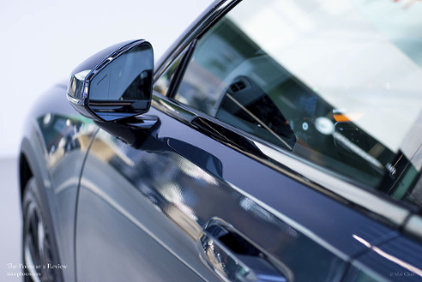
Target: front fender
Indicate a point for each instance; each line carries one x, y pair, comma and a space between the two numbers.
53, 149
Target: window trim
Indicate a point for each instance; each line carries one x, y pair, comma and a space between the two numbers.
200, 26
413, 226
181, 68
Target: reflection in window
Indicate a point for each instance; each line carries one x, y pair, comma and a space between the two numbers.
162, 85
327, 109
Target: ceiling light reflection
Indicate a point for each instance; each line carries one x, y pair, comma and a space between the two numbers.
389, 257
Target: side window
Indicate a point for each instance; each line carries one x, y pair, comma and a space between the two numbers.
342, 92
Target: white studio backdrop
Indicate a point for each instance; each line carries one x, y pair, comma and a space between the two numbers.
42, 41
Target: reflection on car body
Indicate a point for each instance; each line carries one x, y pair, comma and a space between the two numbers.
269, 144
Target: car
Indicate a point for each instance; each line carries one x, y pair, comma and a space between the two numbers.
274, 141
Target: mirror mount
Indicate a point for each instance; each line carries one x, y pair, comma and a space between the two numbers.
134, 131
115, 83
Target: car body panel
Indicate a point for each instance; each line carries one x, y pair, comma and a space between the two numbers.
192, 179
115, 241
399, 259
55, 144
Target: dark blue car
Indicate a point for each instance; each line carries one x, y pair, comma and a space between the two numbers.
274, 141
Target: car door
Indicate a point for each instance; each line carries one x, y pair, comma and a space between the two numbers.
239, 180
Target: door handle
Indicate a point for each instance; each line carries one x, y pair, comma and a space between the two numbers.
233, 258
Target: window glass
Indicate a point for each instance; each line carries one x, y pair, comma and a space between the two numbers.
337, 83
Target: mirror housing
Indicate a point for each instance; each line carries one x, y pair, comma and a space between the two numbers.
115, 83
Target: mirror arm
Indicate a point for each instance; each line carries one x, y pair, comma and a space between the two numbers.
132, 131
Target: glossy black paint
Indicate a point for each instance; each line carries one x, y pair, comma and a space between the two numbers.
219, 184
54, 137
398, 260
82, 90
133, 202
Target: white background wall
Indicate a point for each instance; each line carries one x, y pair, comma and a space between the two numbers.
43, 40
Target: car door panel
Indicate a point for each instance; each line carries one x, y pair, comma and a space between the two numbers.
119, 220
115, 227
399, 259
187, 189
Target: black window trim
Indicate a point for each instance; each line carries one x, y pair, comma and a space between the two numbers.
200, 26
180, 69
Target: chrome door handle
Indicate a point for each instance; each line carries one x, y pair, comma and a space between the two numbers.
234, 258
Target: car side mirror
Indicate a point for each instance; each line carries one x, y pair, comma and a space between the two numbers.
115, 83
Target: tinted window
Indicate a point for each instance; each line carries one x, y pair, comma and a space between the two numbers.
337, 85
